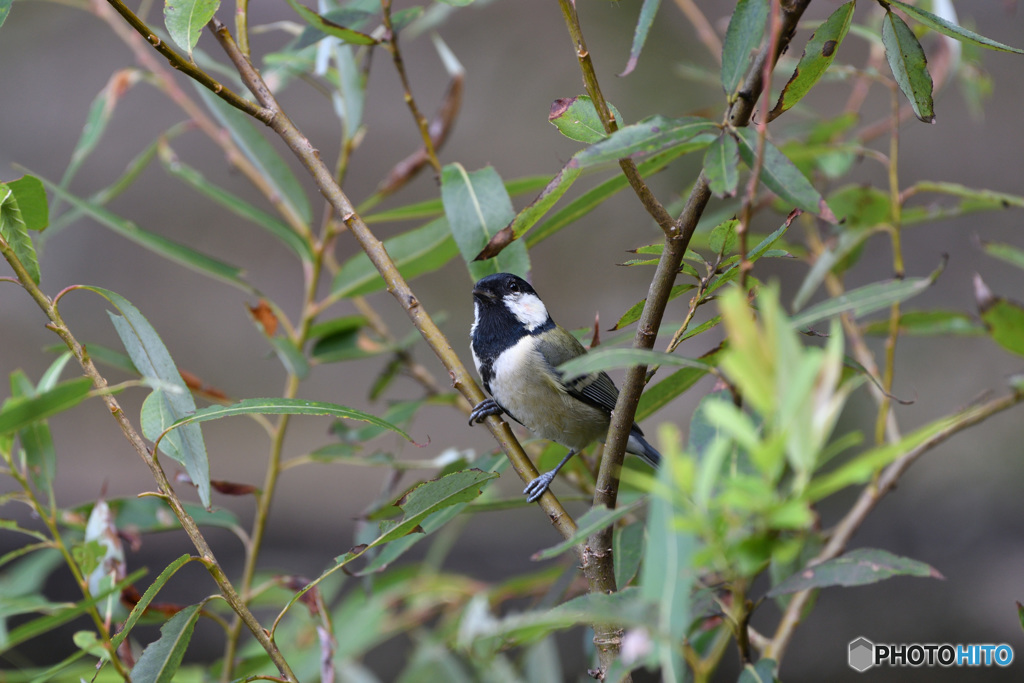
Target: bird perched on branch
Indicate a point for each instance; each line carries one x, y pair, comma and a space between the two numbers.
517, 349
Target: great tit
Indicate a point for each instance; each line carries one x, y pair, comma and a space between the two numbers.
517, 349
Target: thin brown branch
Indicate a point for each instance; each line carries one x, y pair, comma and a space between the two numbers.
866, 502
187, 67
168, 84
629, 169
396, 55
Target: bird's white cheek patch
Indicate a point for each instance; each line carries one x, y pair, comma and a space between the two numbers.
529, 310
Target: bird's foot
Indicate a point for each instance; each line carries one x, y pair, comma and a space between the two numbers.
483, 410
536, 488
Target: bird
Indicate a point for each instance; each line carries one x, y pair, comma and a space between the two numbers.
517, 349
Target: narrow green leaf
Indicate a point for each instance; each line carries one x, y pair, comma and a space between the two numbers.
592, 521
849, 241
855, 568
634, 312
30, 195
1006, 252
431, 496
418, 251
950, 29
645, 139
152, 360
643, 27
434, 207
431, 523
156, 416
607, 359
816, 59
863, 300
1004, 319
782, 177
529, 216
134, 169
239, 207
352, 17
44, 625
152, 515
11, 525
746, 27
52, 375
351, 89
666, 576
477, 207
329, 27
593, 198
667, 389
161, 658
863, 466
14, 231
27, 577
285, 406
909, 65
5, 9
40, 455
722, 239
291, 357
721, 165
929, 323
100, 112
972, 200
577, 118
262, 154
628, 551
185, 20
174, 251
18, 414
340, 339
147, 597
762, 672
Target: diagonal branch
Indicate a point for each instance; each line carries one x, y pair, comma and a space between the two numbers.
187, 67
462, 381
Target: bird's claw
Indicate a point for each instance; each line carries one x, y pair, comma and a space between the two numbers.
536, 488
483, 410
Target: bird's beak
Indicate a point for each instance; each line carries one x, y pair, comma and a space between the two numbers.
483, 294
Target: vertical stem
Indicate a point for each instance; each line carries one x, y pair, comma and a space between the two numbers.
897, 264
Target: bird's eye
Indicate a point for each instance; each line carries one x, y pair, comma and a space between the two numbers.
513, 286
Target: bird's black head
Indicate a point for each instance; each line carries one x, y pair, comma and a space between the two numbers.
495, 288
507, 308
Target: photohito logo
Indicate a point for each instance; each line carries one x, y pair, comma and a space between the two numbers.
863, 654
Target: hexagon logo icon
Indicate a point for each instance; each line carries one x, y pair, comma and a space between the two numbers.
862, 654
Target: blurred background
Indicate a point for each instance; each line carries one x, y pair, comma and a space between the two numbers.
959, 509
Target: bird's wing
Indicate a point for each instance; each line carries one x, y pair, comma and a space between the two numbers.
596, 388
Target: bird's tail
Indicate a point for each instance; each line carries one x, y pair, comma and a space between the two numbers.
637, 445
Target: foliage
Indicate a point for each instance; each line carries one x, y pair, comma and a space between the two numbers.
735, 501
